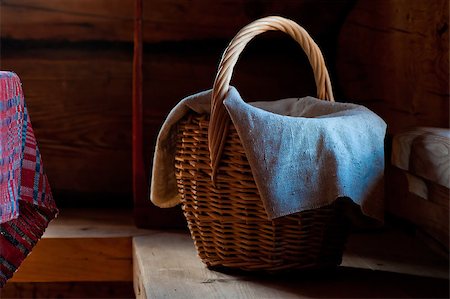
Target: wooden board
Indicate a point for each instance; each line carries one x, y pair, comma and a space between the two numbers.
77, 259
424, 152
114, 289
164, 20
431, 215
166, 266
79, 102
94, 223
72, 20
394, 250
393, 57
83, 245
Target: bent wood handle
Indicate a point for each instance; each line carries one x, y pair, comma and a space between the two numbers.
220, 119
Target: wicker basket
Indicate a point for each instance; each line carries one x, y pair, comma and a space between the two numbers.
220, 200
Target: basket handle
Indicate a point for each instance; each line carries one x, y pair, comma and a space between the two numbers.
219, 120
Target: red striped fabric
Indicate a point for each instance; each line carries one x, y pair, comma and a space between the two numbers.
26, 202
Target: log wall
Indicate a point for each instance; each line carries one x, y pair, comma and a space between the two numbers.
75, 61
164, 20
394, 58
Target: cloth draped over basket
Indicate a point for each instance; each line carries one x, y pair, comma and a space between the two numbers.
26, 202
259, 183
304, 153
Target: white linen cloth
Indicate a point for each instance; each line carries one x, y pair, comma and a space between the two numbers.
304, 153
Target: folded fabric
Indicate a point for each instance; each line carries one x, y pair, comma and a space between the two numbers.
424, 152
26, 202
304, 153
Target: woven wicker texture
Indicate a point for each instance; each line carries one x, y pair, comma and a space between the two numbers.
228, 222
225, 214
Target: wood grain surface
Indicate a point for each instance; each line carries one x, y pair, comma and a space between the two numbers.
87, 248
430, 215
83, 245
77, 259
375, 266
94, 223
164, 20
393, 57
108, 289
79, 103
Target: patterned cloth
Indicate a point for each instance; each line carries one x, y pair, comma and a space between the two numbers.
26, 202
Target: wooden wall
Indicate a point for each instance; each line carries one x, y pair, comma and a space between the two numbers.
75, 59
394, 58
164, 20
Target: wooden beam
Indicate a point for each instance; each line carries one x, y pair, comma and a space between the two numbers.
79, 104
139, 177
94, 223
430, 215
107, 289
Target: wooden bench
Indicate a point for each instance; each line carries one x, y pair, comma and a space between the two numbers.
100, 253
422, 169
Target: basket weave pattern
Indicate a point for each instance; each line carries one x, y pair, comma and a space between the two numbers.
227, 220
220, 200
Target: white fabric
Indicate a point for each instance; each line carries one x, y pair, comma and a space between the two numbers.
304, 153
424, 152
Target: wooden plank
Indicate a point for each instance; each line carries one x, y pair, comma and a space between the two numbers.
393, 250
424, 152
83, 245
78, 100
203, 19
430, 215
164, 20
140, 189
69, 20
393, 56
93, 223
432, 243
166, 266
430, 157
77, 259
439, 194
115, 289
